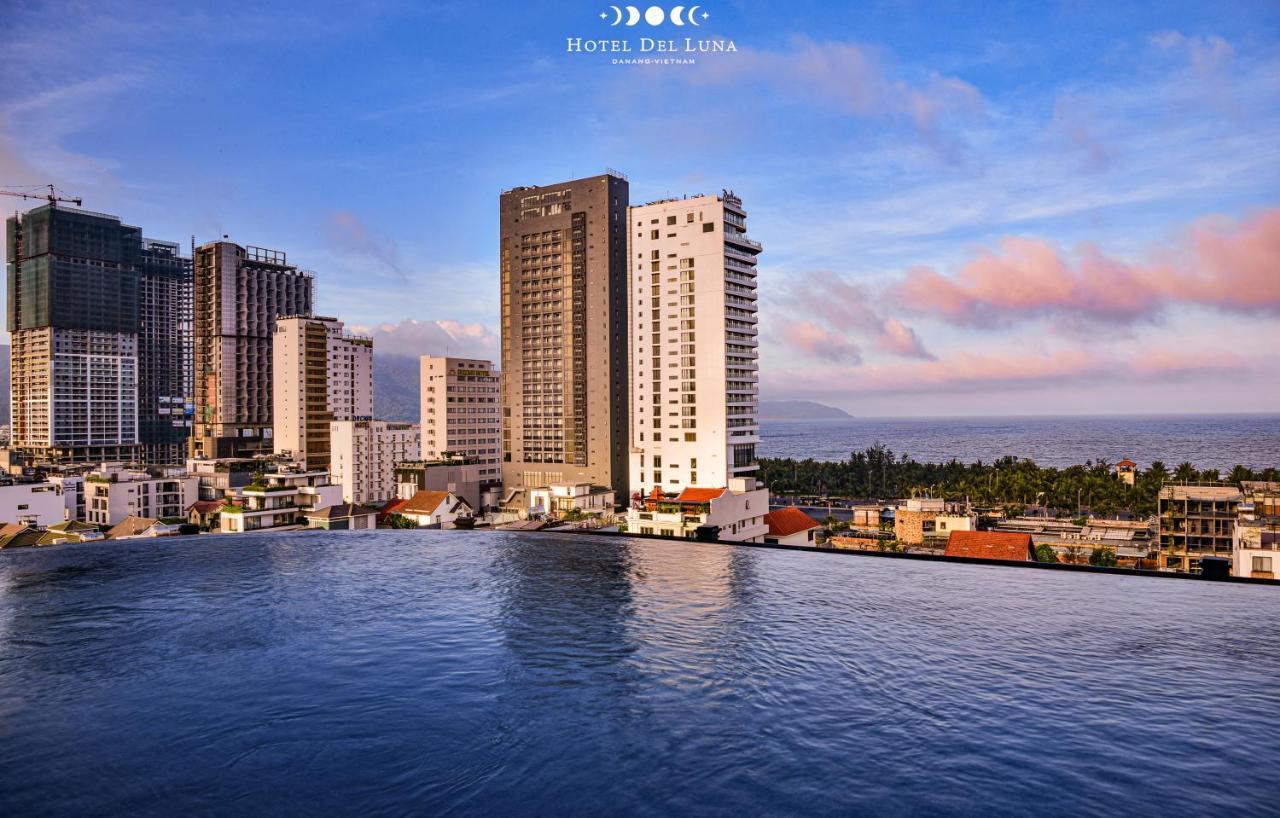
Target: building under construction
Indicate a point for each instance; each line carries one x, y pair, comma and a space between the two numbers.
100, 327
72, 279
239, 294
165, 385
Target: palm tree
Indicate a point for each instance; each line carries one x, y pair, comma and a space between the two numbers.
1185, 472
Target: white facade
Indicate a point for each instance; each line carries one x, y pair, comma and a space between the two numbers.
460, 411
560, 498
440, 508
694, 389
737, 511
113, 493
1255, 544
319, 375
73, 388
35, 504
278, 500
365, 454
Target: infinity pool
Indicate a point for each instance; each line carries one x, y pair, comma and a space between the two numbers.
448, 672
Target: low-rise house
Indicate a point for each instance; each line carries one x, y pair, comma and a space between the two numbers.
990, 545
113, 493
391, 507
465, 477
734, 513
1256, 549
790, 526
133, 528
869, 516
343, 517
1255, 542
913, 520
71, 531
558, 499
34, 503
435, 508
279, 499
205, 514
1130, 541
18, 535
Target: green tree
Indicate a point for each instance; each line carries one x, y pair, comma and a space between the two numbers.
399, 521
1103, 556
1045, 553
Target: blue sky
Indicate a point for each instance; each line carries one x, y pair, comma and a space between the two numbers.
966, 208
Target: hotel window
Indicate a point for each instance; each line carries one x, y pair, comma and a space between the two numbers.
689, 217
671, 220
1262, 565
653, 234
707, 227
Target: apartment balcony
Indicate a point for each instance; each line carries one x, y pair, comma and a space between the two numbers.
741, 238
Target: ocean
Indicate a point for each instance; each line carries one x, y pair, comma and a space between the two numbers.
1207, 441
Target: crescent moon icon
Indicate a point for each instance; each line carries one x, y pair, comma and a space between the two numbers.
693, 20
633, 15
617, 18
675, 15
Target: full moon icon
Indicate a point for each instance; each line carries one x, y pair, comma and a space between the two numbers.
654, 15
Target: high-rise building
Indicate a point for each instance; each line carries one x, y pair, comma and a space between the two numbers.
694, 389
73, 324
165, 386
319, 374
365, 454
564, 335
240, 292
459, 405
694, 373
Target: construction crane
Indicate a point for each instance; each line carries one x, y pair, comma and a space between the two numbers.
52, 196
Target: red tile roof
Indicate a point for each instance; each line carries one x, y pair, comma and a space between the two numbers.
699, 495
426, 502
392, 507
787, 521
990, 545
1126, 462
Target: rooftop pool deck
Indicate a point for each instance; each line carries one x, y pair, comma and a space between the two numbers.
396, 672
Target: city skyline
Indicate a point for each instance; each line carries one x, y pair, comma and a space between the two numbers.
1015, 212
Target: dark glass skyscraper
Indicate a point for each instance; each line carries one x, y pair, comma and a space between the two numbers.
165, 389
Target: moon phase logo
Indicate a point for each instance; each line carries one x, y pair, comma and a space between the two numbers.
655, 15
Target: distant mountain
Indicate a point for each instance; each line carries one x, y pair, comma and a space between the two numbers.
800, 410
4, 384
395, 387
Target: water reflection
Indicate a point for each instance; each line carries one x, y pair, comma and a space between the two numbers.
442, 672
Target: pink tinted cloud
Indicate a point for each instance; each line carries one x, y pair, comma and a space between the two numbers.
414, 337
847, 308
1221, 265
819, 342
976, 372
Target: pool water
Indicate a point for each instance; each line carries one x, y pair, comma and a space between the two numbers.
486, 673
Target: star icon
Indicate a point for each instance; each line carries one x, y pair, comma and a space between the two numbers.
604, 15
705, 15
